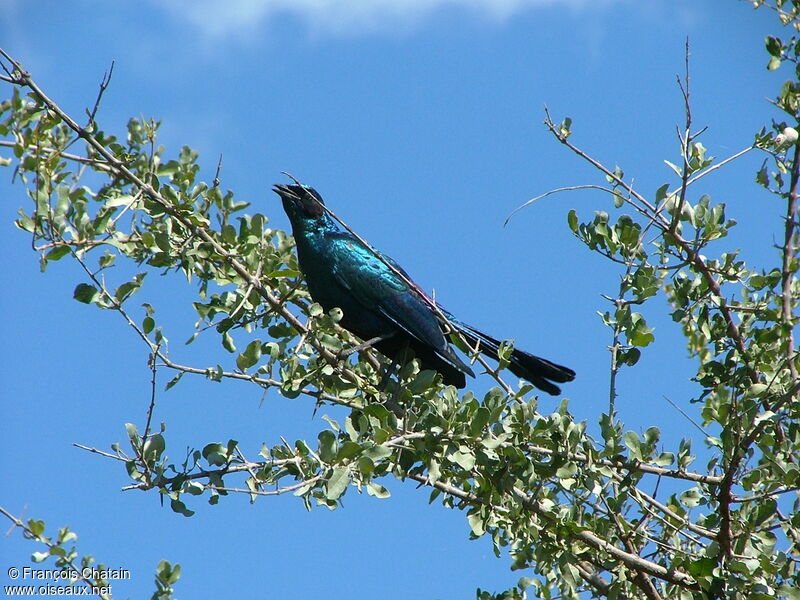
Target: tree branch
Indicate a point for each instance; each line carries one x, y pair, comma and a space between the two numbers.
587, 537
788, 267
125, 173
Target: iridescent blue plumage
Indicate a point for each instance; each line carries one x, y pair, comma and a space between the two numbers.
376, 303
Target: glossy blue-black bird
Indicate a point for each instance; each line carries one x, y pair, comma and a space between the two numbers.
377, 303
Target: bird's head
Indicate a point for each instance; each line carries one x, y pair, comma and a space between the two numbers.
301, 202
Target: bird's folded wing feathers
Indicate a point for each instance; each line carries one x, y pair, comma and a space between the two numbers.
380, 290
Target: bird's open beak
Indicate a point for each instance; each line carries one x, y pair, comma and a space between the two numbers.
284, 191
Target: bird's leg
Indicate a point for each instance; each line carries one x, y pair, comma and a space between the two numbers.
387, 375
363, 345
401, 358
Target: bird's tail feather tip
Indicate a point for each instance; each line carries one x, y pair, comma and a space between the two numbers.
541, 367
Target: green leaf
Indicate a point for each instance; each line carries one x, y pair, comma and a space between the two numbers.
634, 444
173, 381
327, 446
337, 483
377, 490
774, 46
476, 523
479, 420
463, 458
57, 253
250, 356
179, 507
121, 200
133, 433
153, 447
194, 488
85, 293
24, 222
565, 128
567, 470
378, 453
127, 289
703, 567
147, 324
216, 454
661, 193
665, 459
675, 168
789, 592
629, 357
572, 221
167, 574
227, 342
365, 465
36, 527
348, 450
691, 498
284, 273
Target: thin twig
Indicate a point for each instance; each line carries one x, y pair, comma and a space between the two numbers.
644, 206
154, 372
100, 164
714, 167
685, 140
101, 452
687, 417
569, 188
103, 86
275, 492
216, 175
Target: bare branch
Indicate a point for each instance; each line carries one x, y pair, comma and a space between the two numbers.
687, 417
100, 164
641, 204
788, 259
714, 167
120, 457
216, 174
275, 492
568, 188
685, 139
103, 86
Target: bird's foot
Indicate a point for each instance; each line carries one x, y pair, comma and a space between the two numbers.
344, 353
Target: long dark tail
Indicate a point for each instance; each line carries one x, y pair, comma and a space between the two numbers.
539, 371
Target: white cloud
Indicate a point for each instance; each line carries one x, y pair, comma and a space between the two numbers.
233, 17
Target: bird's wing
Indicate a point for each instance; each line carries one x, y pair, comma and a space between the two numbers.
370, 281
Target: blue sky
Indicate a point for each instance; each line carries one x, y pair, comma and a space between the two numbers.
420, 123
